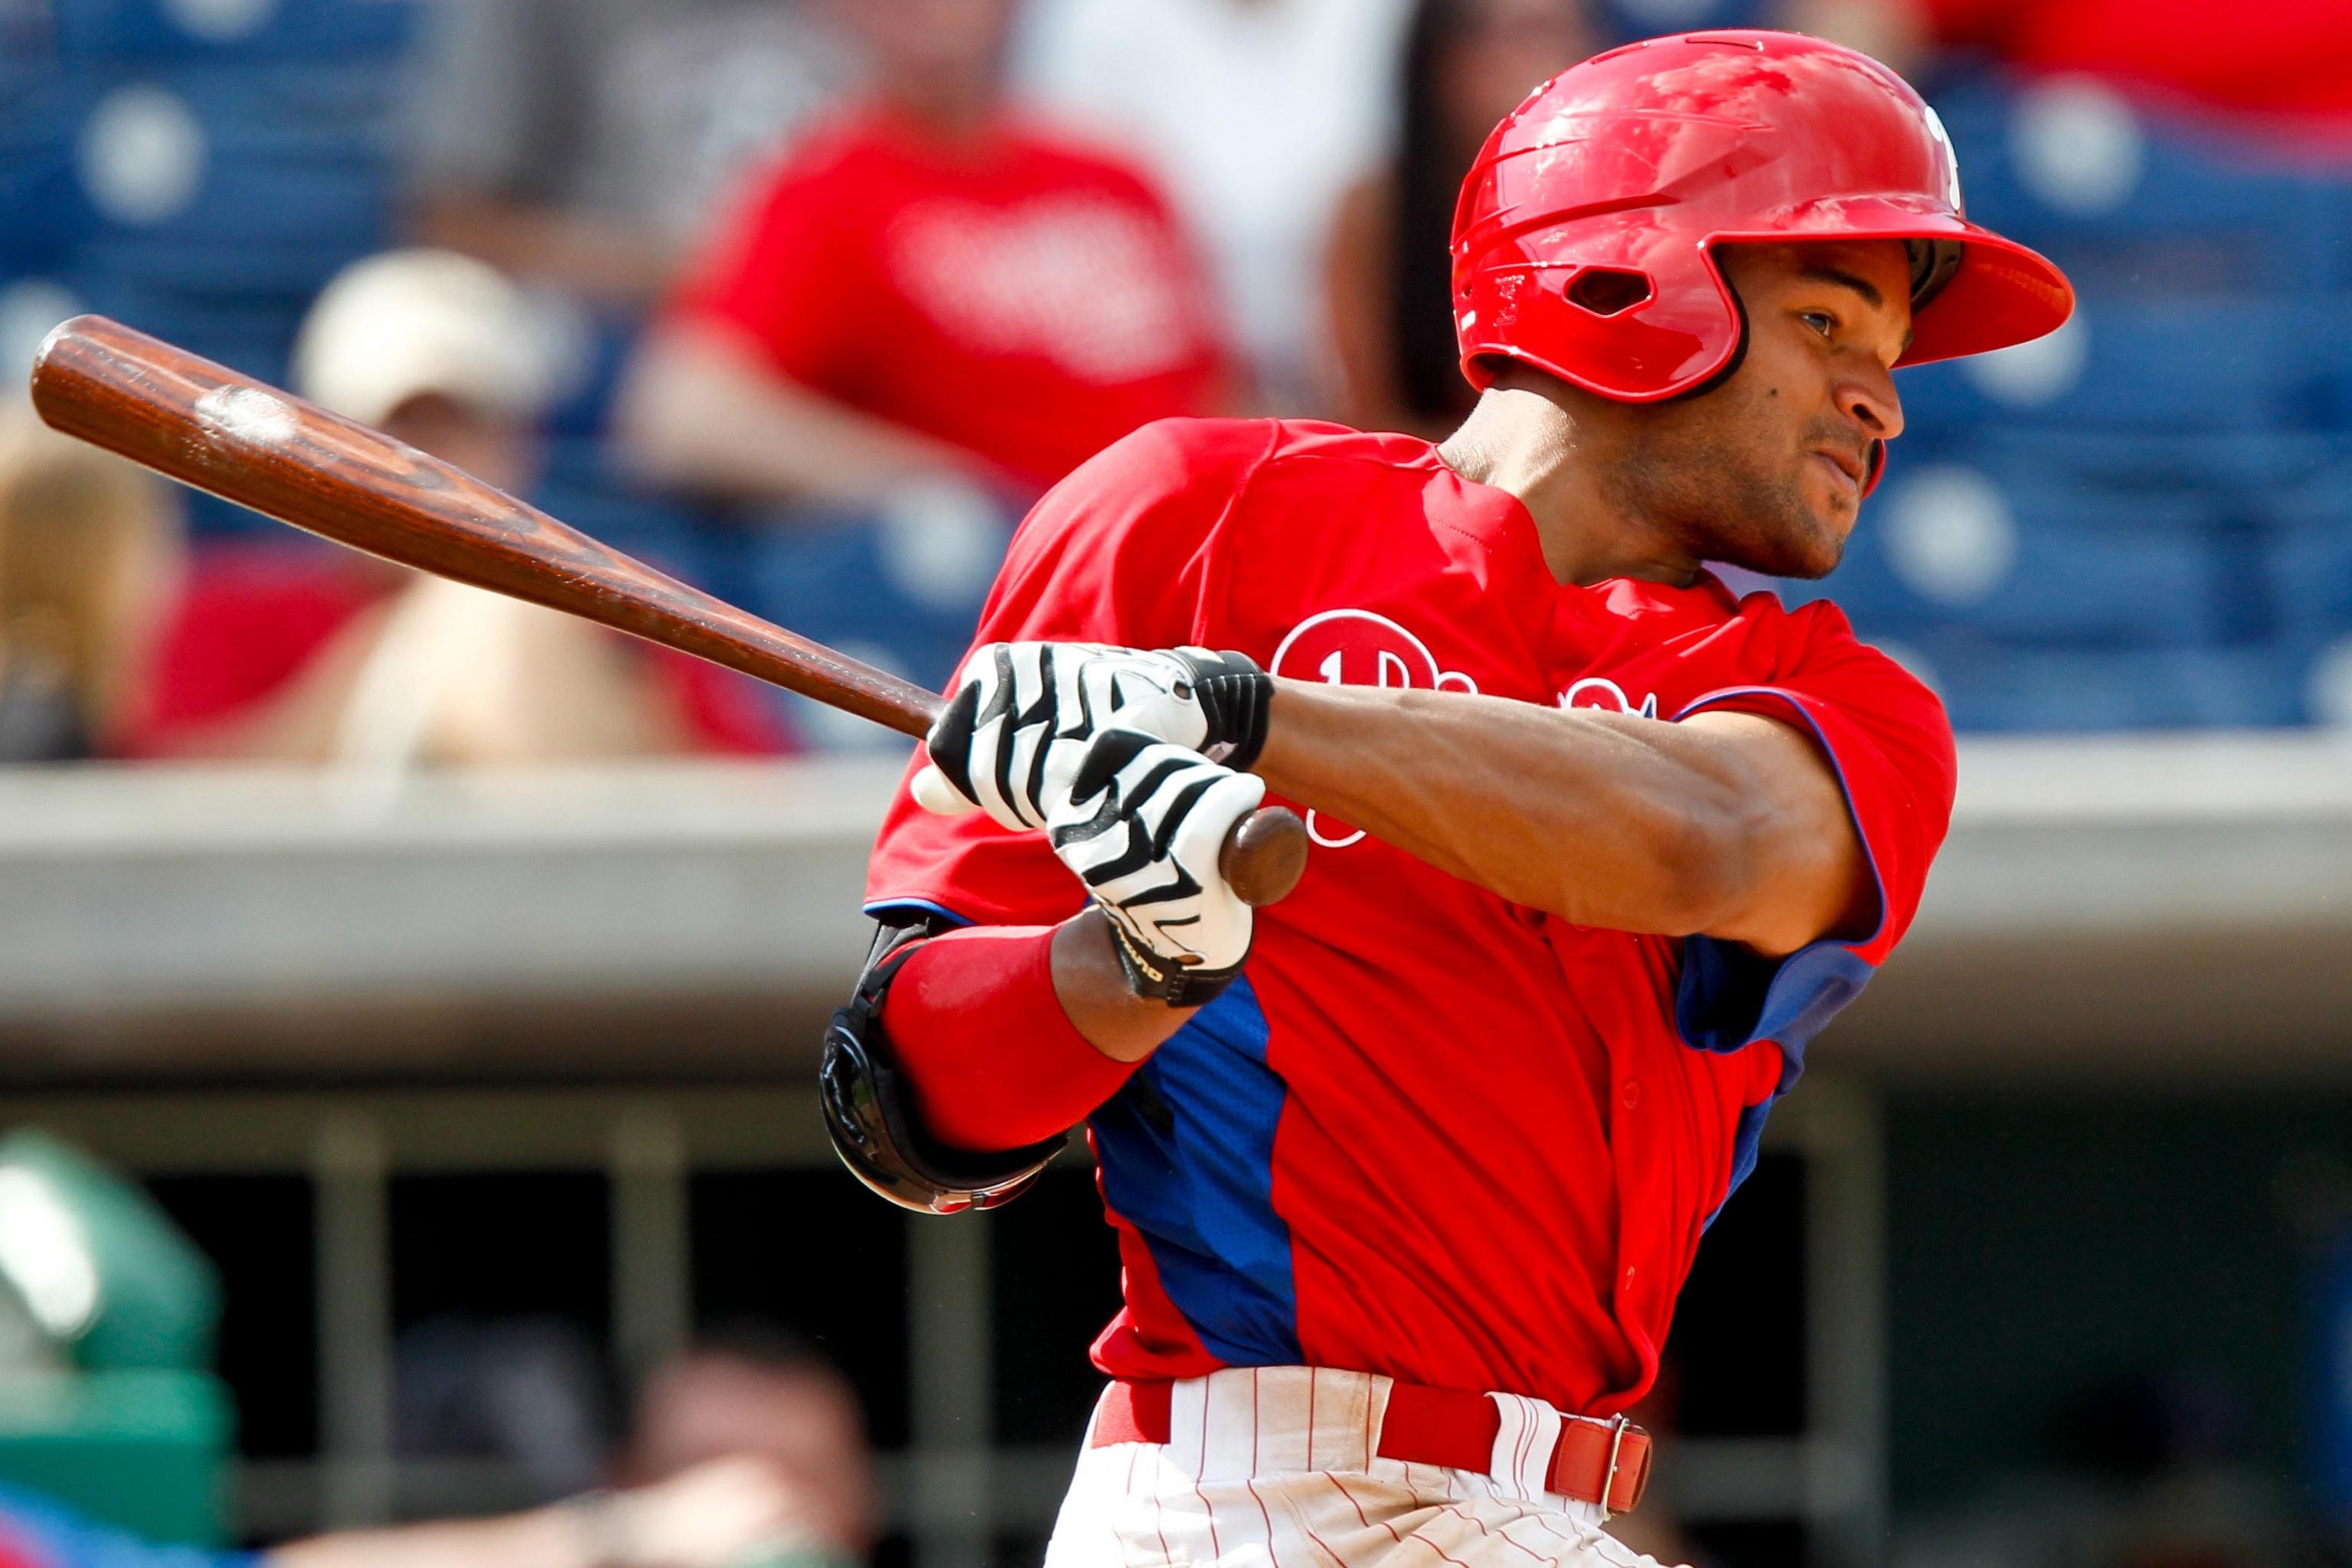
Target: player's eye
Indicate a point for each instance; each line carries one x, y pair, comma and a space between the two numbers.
1821, 321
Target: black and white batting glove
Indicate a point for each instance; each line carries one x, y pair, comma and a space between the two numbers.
1017, 703
1141, 822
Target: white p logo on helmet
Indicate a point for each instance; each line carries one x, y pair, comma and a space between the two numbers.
1951, 159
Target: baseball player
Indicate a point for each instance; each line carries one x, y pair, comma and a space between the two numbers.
1407, 1169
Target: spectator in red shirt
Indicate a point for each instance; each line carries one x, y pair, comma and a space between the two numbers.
926, 289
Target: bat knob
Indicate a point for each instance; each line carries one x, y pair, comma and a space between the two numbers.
1265, 856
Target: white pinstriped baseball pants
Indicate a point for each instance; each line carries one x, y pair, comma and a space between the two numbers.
1275, 1468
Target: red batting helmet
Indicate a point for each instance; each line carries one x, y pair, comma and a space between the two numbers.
1581, 244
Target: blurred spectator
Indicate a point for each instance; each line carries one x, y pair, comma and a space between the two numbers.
765, 1393
927, 291
748, 1450
739, 1512
1255, 114
528, 1389
299, 653
1467, 63
583, 142
2288, 58
88, 548
735, 1512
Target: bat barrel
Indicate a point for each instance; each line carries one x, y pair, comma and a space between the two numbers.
207, 425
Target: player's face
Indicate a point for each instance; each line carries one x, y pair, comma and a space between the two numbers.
1766, 470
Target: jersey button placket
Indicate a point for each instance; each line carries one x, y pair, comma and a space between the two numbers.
1629, 1097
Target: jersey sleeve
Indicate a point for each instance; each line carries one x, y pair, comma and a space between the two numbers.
1885, 737
782, 271
1123, 551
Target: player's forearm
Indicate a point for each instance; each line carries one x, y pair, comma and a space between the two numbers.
544, 1538
1010, 1035
699, 412
1601, 819
1092, 986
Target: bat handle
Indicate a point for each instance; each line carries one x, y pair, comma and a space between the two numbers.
1264, 856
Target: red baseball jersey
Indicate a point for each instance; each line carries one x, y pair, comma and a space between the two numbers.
1016, 296
1431, 1133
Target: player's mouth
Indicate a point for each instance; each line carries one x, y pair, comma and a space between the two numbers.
1849, 467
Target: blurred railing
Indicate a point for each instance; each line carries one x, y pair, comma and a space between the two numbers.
2135, 904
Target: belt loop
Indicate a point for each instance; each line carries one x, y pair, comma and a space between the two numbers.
1525, 1443
1609, 1476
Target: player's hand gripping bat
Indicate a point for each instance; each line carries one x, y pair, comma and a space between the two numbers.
208, 427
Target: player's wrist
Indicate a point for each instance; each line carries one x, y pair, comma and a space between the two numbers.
1090, 981
1234, 697
1154, 978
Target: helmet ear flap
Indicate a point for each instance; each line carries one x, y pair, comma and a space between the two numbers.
1738, 354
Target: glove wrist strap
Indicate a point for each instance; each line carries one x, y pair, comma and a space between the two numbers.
1235, 696
1149, 975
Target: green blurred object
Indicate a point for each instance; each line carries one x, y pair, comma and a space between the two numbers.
796, 1554
144, 1451
107, 1322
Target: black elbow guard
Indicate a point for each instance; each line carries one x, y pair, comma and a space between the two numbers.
869, 1112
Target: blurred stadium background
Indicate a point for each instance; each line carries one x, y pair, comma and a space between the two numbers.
473, 1093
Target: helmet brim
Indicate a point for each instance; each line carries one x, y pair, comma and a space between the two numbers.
2003, 295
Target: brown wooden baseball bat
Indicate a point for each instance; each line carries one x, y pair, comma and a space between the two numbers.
207, 425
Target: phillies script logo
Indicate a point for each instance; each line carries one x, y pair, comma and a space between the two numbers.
1357, 647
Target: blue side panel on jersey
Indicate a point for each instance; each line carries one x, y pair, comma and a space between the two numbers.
1728, 997
1187, 1155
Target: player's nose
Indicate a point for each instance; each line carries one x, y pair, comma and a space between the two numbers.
1867, 397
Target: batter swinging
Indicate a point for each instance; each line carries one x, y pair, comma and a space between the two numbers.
1408, 1169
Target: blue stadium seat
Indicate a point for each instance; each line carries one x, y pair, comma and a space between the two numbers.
295, 178
161, 30
1622, 21
2231, 465
2160, 363
586, 410
2052, 565
1986, 686
254, 334
42, 210
823, 578
2184, 204
581, 486
2308, 555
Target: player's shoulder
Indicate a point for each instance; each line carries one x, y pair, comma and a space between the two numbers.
1815, 640
1224, 458
1181, 484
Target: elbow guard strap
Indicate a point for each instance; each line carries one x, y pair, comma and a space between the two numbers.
869, 1112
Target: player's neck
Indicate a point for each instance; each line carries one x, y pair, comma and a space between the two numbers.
1522, 442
